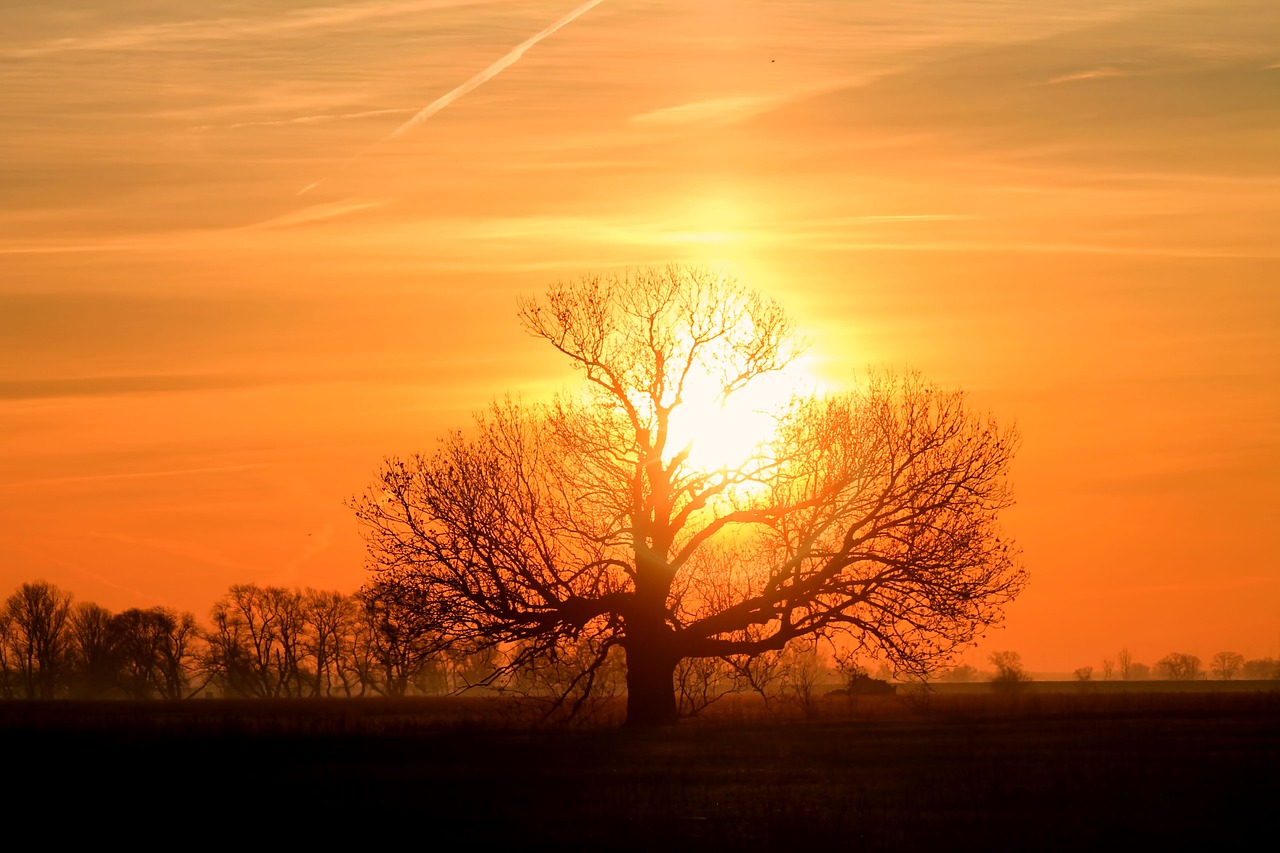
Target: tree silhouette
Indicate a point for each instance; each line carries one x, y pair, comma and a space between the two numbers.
329, 641
1225, 665
867, 518
1010, 675
153, 650
398, 644
35, 631
1125, 661
95, 661
1179, 666
254, 646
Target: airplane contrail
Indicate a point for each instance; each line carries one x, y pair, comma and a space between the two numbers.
511, 58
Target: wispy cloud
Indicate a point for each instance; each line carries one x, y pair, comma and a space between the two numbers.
511, 58
103, 386
188, 239
489, 73
1091, 74
137, 475
312, 119
57, 247
186, 551
1032, 247
712, 111
319, 212
900, 232
165, 35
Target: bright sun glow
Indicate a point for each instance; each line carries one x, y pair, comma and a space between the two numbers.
723, 434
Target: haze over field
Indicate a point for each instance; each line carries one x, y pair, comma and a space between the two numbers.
1069, 209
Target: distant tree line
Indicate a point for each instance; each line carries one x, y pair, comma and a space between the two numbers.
261, 642
1183, 666
275, 642
1176, 666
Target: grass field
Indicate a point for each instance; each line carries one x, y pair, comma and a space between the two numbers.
961, 770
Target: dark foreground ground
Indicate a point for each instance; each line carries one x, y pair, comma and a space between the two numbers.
953, 772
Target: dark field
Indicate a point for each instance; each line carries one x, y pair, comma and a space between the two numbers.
959, 770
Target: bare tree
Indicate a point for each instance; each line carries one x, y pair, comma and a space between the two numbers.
1226, 665
134, 636
871, 515
8, 670
152, 650
328, 640
1084, 673
285, 610
1125, 662
242, 643
784, 678
1009, 675
277, 642
400, 644
1179, 666
38, 639
95, 663
179, 654
803, 668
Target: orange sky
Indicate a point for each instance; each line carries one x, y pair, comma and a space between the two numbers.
1070, 209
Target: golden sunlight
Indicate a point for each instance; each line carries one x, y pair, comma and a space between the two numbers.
724, 432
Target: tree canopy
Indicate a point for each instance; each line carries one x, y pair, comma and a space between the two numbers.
868, 518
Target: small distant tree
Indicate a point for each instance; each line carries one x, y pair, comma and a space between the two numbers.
1139, 672
760, 673
38, 639
401, 643
1084, 673
1108, 668
785, 678
178, 655
802, 668
1009, 673
1179, 666
328, 640
153, 652
8, 674
254, 646
94, 660
1125, 661
1225, 665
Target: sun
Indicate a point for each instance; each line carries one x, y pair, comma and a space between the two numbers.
727, 433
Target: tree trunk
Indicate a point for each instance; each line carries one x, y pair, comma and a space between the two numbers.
648, 641
651, 695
